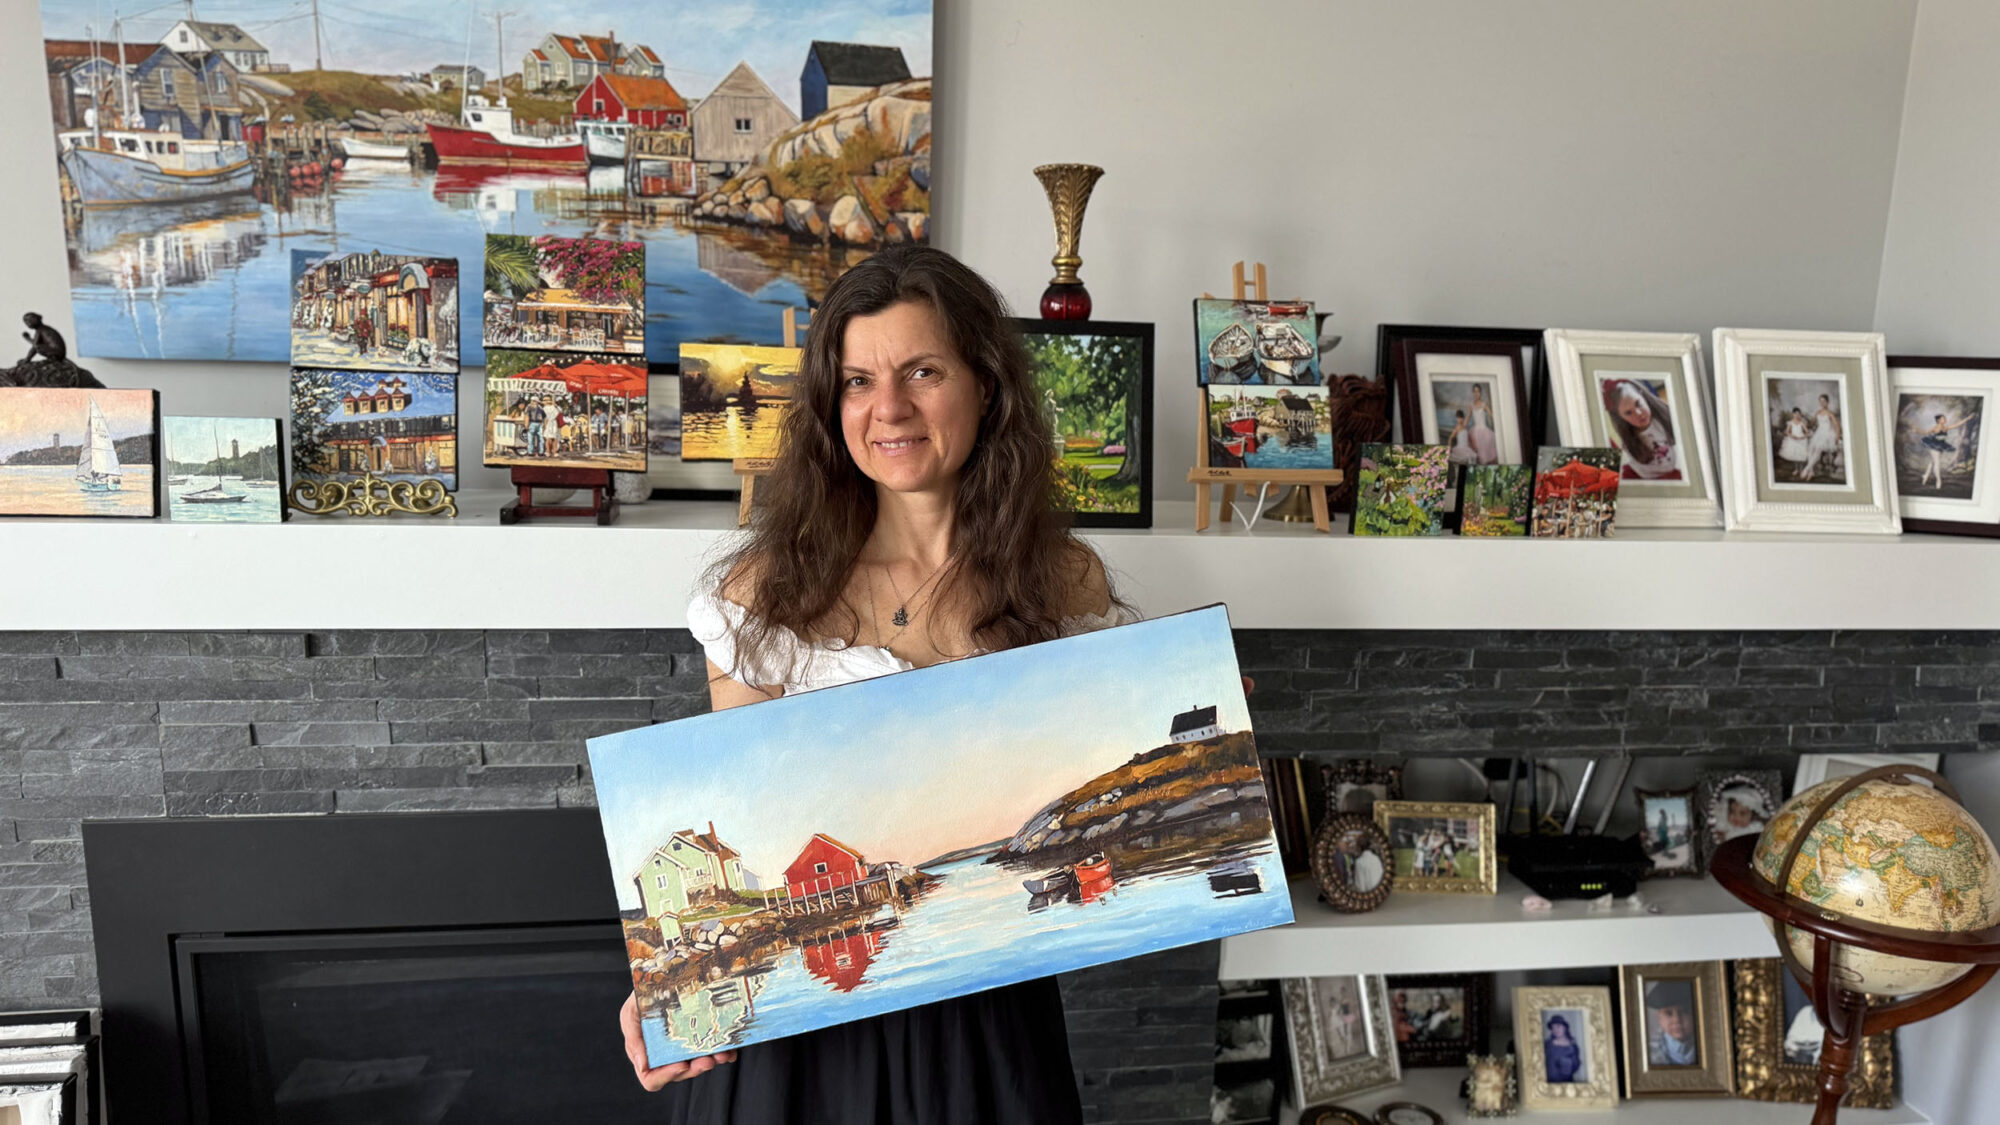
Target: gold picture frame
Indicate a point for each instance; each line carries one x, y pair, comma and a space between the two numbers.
1585, 1078
1766, 1072
1411, 850
1669, 1055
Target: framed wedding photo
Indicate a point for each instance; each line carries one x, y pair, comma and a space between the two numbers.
1805, 432
1465, 389
1644, 394
1564, 1037
1944, 443
1340, 1036
1676, 1030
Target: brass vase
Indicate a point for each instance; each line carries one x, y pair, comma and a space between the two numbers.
1068, 187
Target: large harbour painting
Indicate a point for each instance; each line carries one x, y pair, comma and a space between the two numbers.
837, 854
758, 148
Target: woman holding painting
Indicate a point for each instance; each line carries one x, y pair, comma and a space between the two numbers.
908, 522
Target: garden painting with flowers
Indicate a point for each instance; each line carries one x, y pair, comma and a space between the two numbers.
1401, 490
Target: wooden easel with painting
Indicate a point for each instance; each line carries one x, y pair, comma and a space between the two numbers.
1204, 477
748, 469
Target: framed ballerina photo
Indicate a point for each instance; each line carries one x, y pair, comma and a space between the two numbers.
1806, 427
1642, 393
1943, 440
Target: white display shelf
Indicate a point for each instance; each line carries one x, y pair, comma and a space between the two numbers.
1436, 1088
1428, 933
471, 573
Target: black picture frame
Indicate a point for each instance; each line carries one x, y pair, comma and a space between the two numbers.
697, 473
1532, 374
1478, 989
1961, 363
1140, 396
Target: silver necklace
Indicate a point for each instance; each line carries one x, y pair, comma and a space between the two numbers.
901, 618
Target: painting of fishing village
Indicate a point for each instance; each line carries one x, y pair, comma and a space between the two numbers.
1269, 427
224, 470
757, 147
837, 854
565, 411
375, 311
733, 398
78, 452
397, 426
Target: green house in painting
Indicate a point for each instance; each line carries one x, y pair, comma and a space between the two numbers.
665, 881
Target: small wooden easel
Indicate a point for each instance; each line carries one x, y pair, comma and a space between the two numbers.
603, 505
1203, 477
748, 469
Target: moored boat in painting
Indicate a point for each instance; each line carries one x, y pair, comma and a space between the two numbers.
487, 135
1229, 351
118, 168
358, 149
1282, 351
604, 142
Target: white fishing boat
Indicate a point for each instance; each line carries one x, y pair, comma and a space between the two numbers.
97, 467
358, 149
121, 167
214, 493
605, 141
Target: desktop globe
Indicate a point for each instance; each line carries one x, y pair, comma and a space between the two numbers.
1890, 853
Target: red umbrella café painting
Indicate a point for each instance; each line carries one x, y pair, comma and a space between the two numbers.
757, 147
554, 410
837, 854
1576, 492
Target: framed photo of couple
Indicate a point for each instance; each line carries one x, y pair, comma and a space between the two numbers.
1643, 394
1805, 420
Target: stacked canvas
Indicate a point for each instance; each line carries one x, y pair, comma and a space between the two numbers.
48, 1063
374, 367
1266, 403
565, 336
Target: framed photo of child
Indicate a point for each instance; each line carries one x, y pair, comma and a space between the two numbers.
1642, 393
1676, 1030
1735, 803
1564, 1033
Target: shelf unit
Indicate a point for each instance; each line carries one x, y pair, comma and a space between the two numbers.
468, 573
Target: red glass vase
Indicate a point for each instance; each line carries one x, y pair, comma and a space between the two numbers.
1066, 302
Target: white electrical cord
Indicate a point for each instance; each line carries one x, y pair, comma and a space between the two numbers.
1263, 494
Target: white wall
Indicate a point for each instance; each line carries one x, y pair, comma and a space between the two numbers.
1940, 275
1657, 166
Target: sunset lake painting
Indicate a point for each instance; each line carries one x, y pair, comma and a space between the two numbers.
838, 854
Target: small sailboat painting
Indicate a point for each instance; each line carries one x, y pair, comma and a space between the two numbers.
79, 452
224, 470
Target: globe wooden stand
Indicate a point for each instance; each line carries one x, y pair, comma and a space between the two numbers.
1846, 1014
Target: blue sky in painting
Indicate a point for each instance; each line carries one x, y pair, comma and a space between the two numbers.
913, 765
699, 42
190, 439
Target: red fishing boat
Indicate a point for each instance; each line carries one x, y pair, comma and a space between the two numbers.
1239, 428
486, 135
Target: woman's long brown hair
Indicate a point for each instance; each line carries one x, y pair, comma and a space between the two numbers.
1016, 566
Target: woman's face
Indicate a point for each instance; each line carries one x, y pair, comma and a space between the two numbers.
909, 406
1633, 409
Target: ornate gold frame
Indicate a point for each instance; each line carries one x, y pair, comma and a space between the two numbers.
1761, 1070
1489, 871
1321, 1078
1714, 1073
1537, 1092
370, 495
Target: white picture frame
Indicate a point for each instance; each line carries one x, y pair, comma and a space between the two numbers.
1324, 1068
1584, 363
1843, 481
1815, 768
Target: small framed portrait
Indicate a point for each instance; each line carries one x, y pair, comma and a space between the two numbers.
1095, 378
1805, 423
1251, 1101
1815, 768
1564, 1036
1439, 1018
1467, 389
1576, 492
1351, 863
1676, 1030
1354, 785
1340, 1038
1440, 846
1944, 441
1490, 1089
669, 477
1778, 1038
1641, 393
1667, 832
1735, 803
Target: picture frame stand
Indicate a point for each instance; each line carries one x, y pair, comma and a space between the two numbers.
1315, 482
748, 469
603, 505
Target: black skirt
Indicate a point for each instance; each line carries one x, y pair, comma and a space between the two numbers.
992, 1058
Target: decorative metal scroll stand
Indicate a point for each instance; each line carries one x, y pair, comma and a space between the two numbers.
748, 469
1316, 483
370, 495
1847, 1015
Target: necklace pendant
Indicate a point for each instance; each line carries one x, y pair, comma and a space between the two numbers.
901, 617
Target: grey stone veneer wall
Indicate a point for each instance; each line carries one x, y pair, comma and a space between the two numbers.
146, 724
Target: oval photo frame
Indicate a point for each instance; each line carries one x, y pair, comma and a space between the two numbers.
1329, 866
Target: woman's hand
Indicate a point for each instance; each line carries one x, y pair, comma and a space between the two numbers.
656, 1077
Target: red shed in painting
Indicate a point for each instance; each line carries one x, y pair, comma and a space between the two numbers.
824, 865
649, 103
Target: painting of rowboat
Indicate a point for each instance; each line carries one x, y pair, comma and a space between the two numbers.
757, 147
1267, 343
76, 452
838, 854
